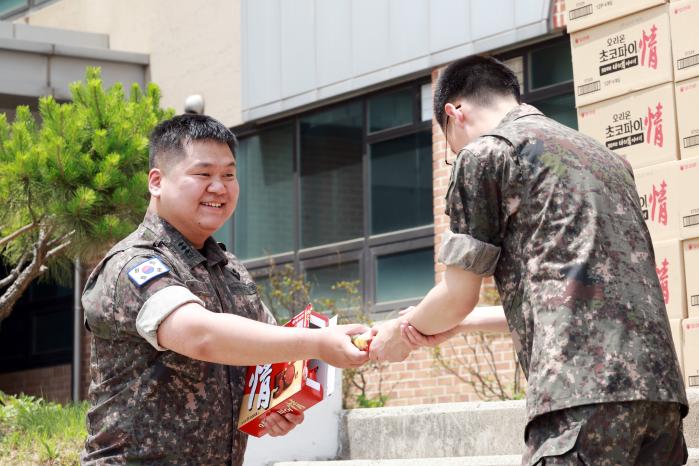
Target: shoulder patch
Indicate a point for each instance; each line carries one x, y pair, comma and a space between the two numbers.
147, 270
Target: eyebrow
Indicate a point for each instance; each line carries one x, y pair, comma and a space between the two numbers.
207, 165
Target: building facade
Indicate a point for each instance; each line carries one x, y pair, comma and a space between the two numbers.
341, 167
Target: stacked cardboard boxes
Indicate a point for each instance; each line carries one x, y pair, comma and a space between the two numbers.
636, 79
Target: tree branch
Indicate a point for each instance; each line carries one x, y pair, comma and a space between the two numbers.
17, 233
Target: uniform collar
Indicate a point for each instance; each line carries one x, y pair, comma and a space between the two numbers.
520, 111
169, 235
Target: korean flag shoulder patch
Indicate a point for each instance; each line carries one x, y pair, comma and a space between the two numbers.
147, 270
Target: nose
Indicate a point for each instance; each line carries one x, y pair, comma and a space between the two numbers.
216, 187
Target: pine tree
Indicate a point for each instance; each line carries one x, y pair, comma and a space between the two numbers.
75, 182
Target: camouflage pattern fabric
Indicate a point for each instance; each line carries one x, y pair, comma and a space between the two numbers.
159, 407
573, 263
608, 434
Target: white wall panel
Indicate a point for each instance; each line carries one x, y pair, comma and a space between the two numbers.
262, 73
298, 47
298, 52
450, 24
491, 17
370, 35
333, 41
530, 11
409, 26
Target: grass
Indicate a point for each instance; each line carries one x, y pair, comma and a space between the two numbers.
37, 432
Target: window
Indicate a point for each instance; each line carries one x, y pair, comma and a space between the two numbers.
353, 182
331, 176
39, 332
265, 217
401, 183
546, 73
404, 275
13, 8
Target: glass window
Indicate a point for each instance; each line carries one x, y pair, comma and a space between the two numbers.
401, 183
551, 65
13, 338
331, 176
264, 218
404, 275
53, 331
6, 6
561, 108
391, 110
323, 278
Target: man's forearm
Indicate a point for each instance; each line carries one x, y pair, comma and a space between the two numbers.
448, 303
234, 340
488, 319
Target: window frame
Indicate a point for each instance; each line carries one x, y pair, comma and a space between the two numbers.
362, 249
22, 9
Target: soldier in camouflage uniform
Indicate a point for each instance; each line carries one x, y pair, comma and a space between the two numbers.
555, 217
175, 318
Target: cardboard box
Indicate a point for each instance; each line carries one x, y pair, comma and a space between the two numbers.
676, 329
659, 194
690, 351
687, 103
640, 127
688, 195
622, 56
584, 14
670, 270
290, 387
684, 19
691, 276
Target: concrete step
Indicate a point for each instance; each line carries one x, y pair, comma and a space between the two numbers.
475, 429
424, 431
505, 460
502, 460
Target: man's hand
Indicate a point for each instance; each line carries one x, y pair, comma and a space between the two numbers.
387, 344
415, 339
278, 425
336, 348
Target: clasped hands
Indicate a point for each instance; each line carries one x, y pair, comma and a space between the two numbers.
393, 340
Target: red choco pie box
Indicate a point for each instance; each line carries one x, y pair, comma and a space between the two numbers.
287, 387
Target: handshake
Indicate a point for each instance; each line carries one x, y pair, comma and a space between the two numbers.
390, 341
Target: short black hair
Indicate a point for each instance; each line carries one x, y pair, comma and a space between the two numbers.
171, 136
476, 78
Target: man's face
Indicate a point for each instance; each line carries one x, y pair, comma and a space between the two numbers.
200, 192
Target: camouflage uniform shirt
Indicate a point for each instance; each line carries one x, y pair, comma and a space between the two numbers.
555, 217
150, 405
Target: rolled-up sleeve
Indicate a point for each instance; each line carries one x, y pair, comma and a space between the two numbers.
468, 253
158, 307
475, 203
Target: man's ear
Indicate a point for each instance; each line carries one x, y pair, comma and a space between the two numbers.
155, 179
455, 113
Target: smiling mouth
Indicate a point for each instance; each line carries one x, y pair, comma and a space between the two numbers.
217, 205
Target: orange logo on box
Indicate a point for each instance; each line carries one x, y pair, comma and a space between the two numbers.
578, 40
688, 166
690, 326
684, 9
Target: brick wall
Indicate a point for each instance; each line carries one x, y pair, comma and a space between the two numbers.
558, 14
50, 383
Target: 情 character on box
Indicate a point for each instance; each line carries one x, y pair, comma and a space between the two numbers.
176, 319
555, 217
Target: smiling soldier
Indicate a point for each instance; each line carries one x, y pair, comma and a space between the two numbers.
175, 318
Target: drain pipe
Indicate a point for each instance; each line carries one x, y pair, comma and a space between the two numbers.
77, 332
